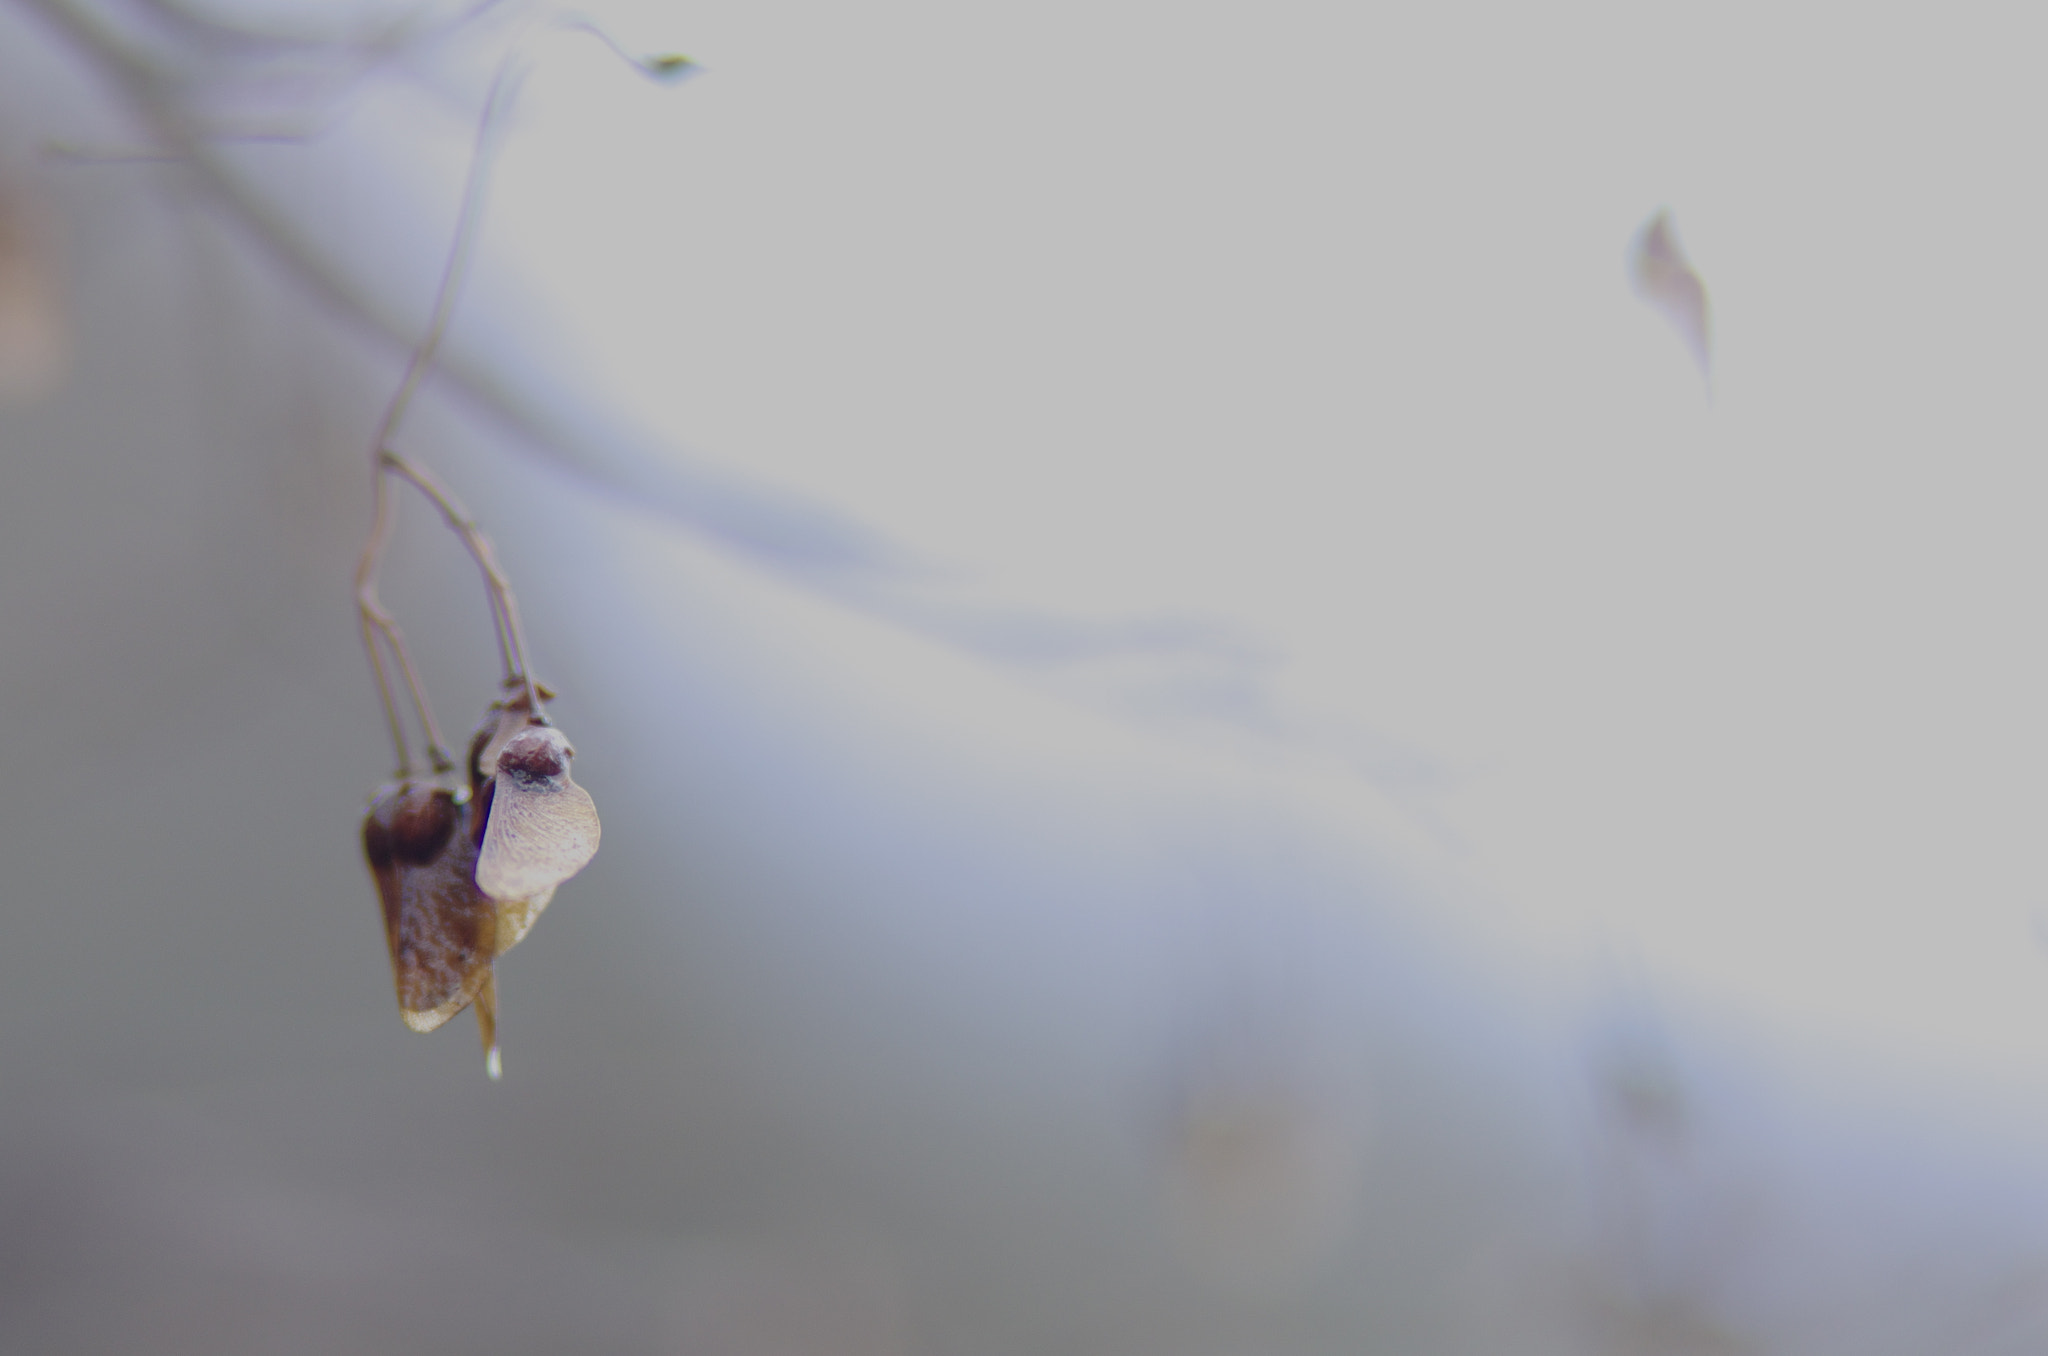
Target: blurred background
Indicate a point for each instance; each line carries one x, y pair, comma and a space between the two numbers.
1220, 727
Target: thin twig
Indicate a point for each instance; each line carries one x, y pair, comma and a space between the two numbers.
810, 544
377, 623
504, 606
784, 531
459, 253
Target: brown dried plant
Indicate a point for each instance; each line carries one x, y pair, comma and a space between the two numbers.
465, 858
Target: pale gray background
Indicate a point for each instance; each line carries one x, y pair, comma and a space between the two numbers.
1207, 743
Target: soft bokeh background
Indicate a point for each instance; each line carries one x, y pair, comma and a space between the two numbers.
1210, 738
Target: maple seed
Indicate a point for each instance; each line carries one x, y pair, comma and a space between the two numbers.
441, 929
463, 875
541, 828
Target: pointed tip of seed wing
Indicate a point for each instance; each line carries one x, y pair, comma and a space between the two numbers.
433, 1017
487, 1026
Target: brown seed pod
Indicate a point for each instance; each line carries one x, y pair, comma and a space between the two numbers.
442, 930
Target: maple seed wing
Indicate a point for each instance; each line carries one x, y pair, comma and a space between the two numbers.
542, 828
441, 929
515, 918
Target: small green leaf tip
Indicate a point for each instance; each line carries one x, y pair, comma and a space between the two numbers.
669, 66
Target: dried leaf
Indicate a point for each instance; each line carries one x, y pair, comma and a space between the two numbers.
1667, 281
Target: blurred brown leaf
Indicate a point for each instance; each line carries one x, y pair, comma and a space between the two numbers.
35, 328
1665, 279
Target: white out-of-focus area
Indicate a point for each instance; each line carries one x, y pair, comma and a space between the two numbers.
1318, 323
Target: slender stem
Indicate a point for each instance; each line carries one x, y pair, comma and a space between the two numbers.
384, 695
459, 253
376, 621
504, 607
378, 624
183, 138
775, 530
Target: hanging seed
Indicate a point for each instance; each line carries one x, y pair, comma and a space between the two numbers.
548, 829
540, 828
463, 879
442, 930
